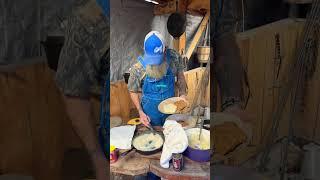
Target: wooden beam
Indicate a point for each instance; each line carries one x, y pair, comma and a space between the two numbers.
170, 6
165, 8
180, 44
198, 34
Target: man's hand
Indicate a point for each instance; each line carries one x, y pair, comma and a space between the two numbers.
144, 118
237, 111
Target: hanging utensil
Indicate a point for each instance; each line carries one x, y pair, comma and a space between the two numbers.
176, 24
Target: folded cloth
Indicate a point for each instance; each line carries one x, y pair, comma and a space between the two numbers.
121, 137
176, 141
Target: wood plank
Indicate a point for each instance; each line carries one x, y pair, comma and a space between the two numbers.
268, 88
15, 136
180, 44
193, 78
191, 171
46, 126
165, 8
120, 101
32, 121
130, 165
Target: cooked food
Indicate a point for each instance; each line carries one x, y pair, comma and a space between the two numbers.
148, 142
181, 104
170, 108
194, 142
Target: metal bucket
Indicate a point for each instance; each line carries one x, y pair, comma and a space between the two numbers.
311, 162
198, 154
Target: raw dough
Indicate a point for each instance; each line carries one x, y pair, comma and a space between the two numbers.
148, 142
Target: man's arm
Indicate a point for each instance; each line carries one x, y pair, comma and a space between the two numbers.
75, 76
134, 85
79, 112
136, 101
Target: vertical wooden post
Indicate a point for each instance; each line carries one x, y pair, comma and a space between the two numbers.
180, 44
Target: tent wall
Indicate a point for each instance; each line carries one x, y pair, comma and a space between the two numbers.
24, 23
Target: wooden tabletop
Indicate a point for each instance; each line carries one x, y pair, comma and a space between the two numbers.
135, 164
191, 171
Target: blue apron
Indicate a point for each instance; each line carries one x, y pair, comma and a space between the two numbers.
154, 92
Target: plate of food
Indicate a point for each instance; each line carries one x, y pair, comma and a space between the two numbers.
174, 105
148, 143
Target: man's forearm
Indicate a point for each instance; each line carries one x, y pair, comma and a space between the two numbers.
79, 112
136, 100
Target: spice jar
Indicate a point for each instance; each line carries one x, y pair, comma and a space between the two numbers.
113, 154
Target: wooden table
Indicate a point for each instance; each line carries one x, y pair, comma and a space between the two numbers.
135, 164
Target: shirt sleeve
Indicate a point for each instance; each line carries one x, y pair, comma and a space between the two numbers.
78, 64
176, 61
134, 82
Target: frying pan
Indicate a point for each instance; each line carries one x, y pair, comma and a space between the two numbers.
148, 152
176, 24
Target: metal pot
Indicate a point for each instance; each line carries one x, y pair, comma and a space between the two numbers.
198, 154
148, 152
176, 24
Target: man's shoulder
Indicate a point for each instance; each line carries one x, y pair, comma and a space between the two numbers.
137, 69
172, 51
173, 54
89, 11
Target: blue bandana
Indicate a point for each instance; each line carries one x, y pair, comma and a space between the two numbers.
105, 5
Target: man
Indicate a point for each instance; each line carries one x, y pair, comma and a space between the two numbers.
82, 58
154, 75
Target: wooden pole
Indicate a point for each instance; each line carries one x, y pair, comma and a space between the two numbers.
198, 34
